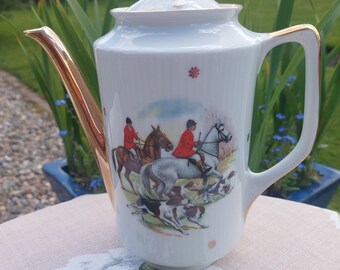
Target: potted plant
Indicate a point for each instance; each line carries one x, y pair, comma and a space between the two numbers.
276, 126
77, 174
278, 122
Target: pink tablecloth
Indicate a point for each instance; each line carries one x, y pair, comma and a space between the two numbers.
79, 234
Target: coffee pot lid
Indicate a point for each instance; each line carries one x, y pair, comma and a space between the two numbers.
173, 5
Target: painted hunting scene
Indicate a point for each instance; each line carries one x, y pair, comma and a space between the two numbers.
170, 183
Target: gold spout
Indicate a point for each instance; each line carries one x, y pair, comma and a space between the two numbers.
86, 108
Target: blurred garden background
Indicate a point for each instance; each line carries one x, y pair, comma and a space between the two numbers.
258, 16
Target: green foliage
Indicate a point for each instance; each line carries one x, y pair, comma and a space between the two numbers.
10, 4
280, 81
144, 266
78, 36
335, 203
279, 104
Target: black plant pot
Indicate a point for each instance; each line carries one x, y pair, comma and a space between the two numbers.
62, 182
319, 194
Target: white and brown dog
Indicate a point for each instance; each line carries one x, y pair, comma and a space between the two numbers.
222, 187
171, 211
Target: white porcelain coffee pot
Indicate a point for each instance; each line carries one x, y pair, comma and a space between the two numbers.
181, 73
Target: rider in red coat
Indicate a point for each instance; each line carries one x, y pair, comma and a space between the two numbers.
129, 136
185, 147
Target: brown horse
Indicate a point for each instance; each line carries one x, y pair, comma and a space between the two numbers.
151, 150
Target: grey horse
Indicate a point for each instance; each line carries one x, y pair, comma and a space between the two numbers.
166, 171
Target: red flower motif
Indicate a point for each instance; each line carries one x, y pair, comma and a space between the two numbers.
194, 72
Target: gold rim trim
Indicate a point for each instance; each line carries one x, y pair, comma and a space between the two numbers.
298, 28
90, 116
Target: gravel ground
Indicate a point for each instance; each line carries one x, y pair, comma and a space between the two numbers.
28, 139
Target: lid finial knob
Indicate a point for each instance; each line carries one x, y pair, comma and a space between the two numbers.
178, 4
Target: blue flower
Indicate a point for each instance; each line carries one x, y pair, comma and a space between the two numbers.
278, 159
288, 138
96, 183
295, 174
299, 116
63, 132
290, 79
280, 116
262, 107
60, 102
282, 129
67, 96
277, 137
266, 161
276, 150
301, 166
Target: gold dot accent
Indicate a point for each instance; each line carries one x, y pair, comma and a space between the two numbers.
212, 244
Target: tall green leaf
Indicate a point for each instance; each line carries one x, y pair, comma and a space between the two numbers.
283, 20
261, 134
82, 52
89, 29
108, 17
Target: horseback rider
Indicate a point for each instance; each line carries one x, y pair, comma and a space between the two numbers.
185, 147
129, 136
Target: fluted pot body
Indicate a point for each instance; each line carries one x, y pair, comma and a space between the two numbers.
177, 90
